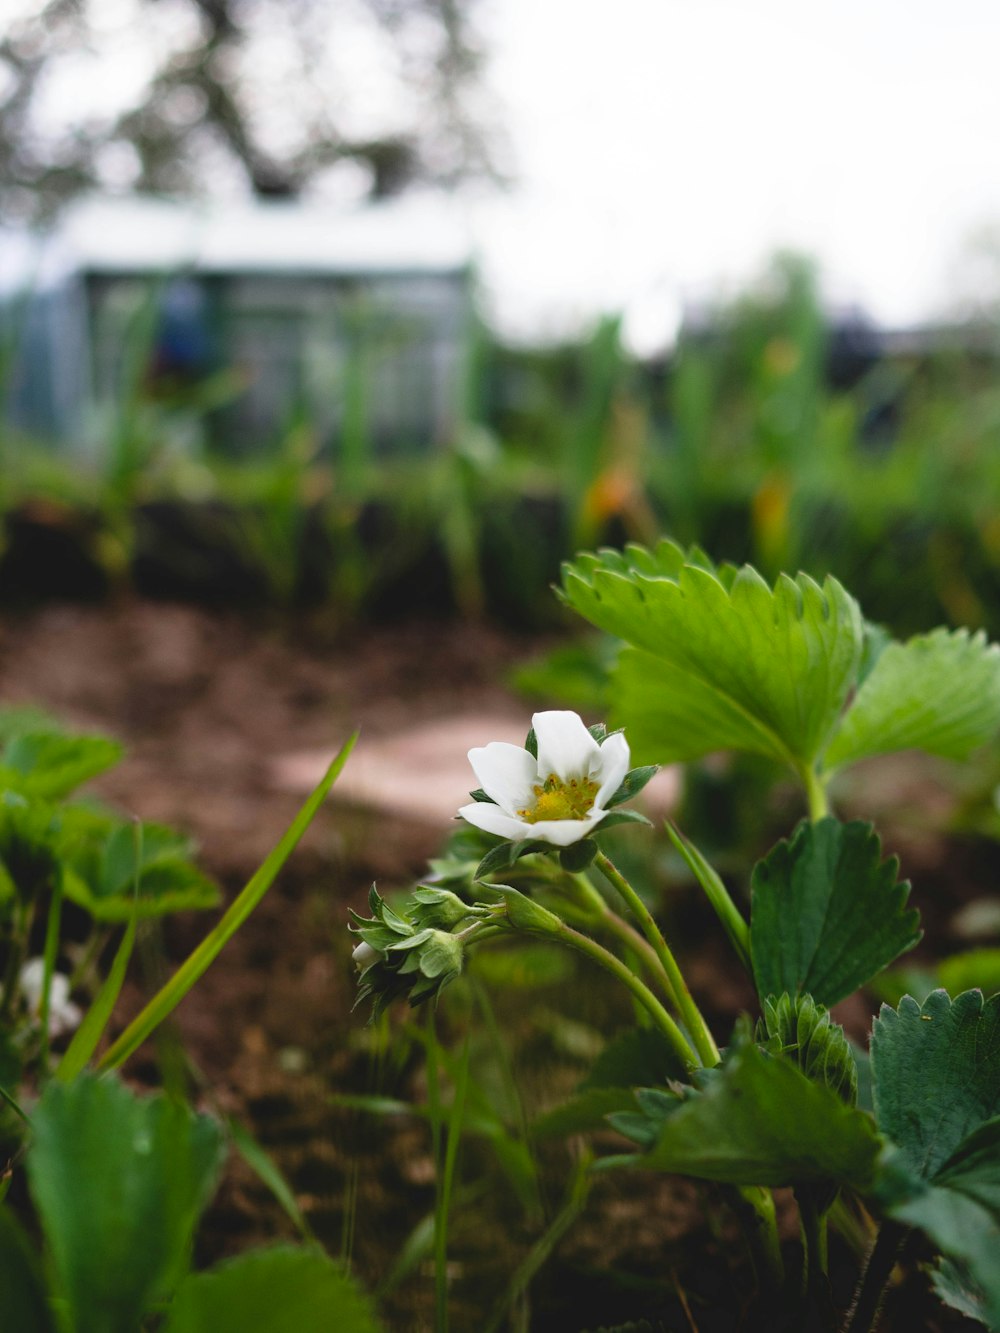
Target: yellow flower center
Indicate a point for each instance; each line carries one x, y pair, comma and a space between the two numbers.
556, 799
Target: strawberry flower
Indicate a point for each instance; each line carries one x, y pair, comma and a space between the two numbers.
558, 789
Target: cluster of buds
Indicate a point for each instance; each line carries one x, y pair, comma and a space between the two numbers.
415, 953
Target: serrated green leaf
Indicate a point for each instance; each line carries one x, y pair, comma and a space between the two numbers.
827, 914
119, 1182
957, 1291
959, 1224
939, 692
25, 1300
283, 1289
760, 1121
935, 1074
49, 765
712, 667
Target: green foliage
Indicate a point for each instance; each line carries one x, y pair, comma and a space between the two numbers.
936, 1074
49, 764
827, 913
119, 1183
803, 1031
278, 1290
938, 692
760, 1121
25, 1301
108, 858
718, 661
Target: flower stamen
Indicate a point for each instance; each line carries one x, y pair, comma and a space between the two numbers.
556, 799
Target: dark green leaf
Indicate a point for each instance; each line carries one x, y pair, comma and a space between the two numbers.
827, 914
119, 1182
958, 1291
759, 1121
936, 1074
279, 1290
959, 1225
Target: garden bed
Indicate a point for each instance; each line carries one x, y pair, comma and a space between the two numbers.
209, 707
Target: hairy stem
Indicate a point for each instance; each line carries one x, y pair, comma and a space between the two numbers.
863, 1317
704, 1042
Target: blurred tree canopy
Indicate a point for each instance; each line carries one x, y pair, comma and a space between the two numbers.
194, 96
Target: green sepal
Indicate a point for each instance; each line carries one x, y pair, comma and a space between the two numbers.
633, 783
578, 855
617, 817
480, 796
503, 856
531, 743
827, 913
803, 1031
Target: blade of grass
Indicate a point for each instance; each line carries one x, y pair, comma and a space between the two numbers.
198, 962
267, 1172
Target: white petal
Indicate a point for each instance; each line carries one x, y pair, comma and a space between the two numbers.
506, 773
615, 759
491, 819
565, 746
563, 832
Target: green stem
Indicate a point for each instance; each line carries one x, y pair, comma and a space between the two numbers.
725, 909
754, 1206
613, 964
49, 966
197, 963
605, 917
819, 802
689, 1011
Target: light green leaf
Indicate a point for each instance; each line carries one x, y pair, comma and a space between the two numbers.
119, 1183
827, 914
762, 1122
25, 1301
49, 765
279, 1290
936, 1074
716, 663
939, 692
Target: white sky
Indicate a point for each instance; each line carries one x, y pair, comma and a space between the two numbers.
665, 148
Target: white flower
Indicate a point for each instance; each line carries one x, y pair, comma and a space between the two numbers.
561, 796
64, 1015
